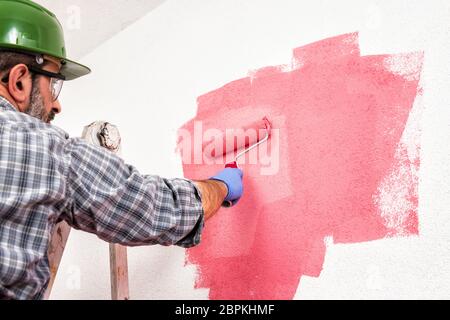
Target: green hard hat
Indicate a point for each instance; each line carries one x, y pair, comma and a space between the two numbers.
27, 27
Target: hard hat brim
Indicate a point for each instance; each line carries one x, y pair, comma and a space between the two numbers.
73, 70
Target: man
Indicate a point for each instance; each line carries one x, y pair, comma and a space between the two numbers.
47, 177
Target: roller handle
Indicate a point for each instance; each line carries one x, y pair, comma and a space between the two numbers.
227, 204
234, 165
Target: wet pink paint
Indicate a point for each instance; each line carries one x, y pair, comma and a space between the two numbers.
340, 119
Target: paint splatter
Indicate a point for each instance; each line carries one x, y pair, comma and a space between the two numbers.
340, 167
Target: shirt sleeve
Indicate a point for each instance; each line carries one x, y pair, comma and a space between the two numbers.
114, 201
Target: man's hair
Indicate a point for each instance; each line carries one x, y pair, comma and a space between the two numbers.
10, 59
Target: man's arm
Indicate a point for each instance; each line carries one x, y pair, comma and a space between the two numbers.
111, 199
226, 186
213, 194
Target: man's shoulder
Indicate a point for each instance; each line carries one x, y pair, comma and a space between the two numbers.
14, 121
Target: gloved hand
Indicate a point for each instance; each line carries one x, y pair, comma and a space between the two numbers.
232, 177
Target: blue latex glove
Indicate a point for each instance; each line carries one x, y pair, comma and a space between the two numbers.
232, 177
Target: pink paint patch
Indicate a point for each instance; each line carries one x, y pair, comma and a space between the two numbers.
339, 166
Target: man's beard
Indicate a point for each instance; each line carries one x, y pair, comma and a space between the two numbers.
36, 108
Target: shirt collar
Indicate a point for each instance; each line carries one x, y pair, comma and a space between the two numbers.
6, 105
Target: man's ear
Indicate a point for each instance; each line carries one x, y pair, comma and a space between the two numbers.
20, 85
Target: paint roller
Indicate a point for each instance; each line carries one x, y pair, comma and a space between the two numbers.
238, 140
261, 132
250, 142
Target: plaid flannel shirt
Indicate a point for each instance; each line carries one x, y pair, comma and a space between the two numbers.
47, 177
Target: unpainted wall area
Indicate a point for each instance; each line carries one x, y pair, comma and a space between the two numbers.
87, 24
147, 78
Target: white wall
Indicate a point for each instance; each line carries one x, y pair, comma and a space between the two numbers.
89, 23
146, 80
